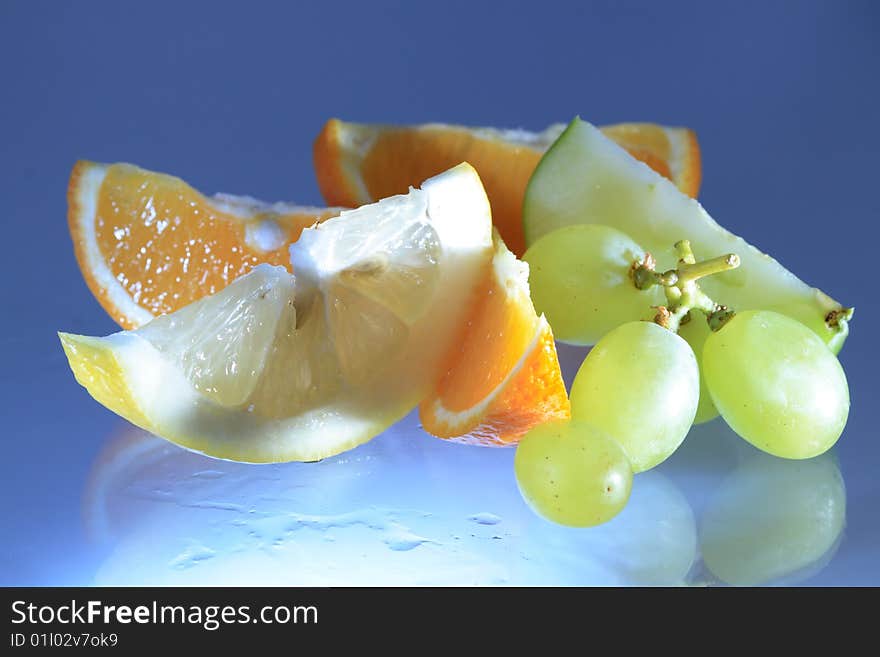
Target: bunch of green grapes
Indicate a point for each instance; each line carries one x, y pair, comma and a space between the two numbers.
644, 384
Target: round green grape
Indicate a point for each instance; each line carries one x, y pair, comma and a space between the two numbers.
776, 384
572, 473
695, 333
773, 519
579, 278
641, 385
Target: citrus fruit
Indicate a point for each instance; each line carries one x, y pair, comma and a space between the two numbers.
279, 366
148, 244
586, 178
358, 163
502, 376
672, 152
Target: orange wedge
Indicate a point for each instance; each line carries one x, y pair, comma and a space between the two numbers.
360, 163
149, 244
672, 152
503, 376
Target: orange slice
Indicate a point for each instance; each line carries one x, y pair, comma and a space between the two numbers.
672, 152
503, 376
360, 163
149, 244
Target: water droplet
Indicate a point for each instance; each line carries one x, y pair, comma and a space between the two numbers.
404, 541
191, 556
485, 518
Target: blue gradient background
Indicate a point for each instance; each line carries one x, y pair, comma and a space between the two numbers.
229, 96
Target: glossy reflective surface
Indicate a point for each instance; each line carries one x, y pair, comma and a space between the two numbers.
409, 509
783, 101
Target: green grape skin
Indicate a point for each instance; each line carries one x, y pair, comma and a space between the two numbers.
776, 384
807, 315
695, 333
773, 519
641, 385
579, 278
572, 474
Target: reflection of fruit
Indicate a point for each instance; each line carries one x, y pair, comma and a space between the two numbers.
168, 516
502, 377
572, 473
640, 384
127, 450
357, 163
580, 280
138, 476
278, 367
773, 518
149, 244
776, 384
586, 178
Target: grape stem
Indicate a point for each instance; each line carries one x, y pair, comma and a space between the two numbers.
680, 285
834, 318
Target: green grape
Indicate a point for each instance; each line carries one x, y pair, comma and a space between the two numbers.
776, 384
641, 385
811, 317
579, 278
572, 473
774, 519
695, 333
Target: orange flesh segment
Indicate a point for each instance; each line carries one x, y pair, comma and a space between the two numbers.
534, 396
168, 245
651, 144
503, 377
496, 338
405, 156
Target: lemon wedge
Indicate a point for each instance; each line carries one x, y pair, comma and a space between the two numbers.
298, 367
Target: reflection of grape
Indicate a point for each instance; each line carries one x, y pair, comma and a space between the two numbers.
776, 384
773, 517
572, 473
641, 385
579, 278
695, 333
652, 542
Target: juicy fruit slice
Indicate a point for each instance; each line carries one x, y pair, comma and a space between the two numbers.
280, 367
672, 152
572, 473
502, 377
358, 163
580, 278
149, 244
640, 384
585, 178
776, 384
